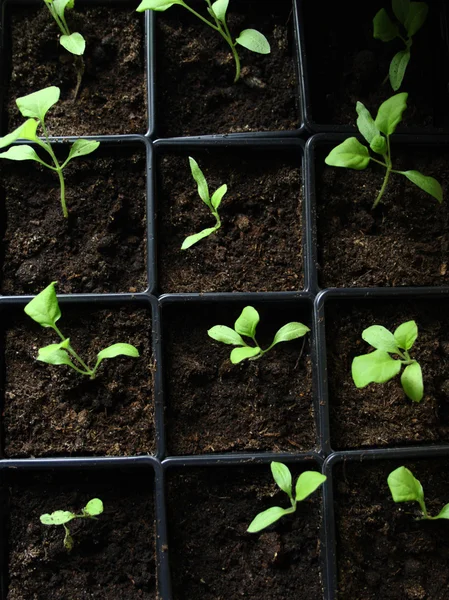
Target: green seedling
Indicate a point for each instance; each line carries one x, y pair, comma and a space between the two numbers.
351, 154
251, 39
73, 42
44, 309
35, 106
404, 487
306, 484
246, 325
412, 16
211, 202
380, 367
61, 517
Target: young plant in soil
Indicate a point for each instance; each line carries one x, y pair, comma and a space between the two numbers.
246, 325
251, 39
60, 517
351, 154
44, 309
380, 367
35, 106
412, 16
306, 484
73, 42
212, 203
404, 487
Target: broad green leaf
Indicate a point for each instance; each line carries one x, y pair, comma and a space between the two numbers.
290, 331
307, 483
247, 322
350, 154
38, 103
384, 28
404, 487
401, 10
239, 354
380, 338
61, 5
398, 67
217, 196
55, 354
444, 513
159, 5
119, 349
81, 148
196, 237
411, 380
426, 183
254, 40
22, 152
365, 123
198, 176
390, 113
379, 145
26, 131
59, 517
44, 308
93, 507
219, 8
416, 17
282, 476
267, 518
406, 334
376, 367
226, 335
74, 43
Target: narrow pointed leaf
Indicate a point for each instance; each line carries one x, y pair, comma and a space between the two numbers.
219, 8
380, 338
426, 183
196, 237
158, 5
44, 308
239, 354
59, 517
390, 113
404, 486
22, 152
350, 154
198, 176
253, 40
412, 383
416, 17
307, 483
74, 43
282, 476
81, 148
376, 367
38, 103
94, 507
26, 131
365, 123
217, 196
225, 335
398, 67
401, 9
406, 334
267, 518
247, 322
290, 331
119, 349
384, 28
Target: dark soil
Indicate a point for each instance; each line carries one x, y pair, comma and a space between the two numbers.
258, 247
383, 551
352, 65
113, 557
53, 411
112, 98
213, 557
101, 247
381, 415
214, 406
196, 93
404, 241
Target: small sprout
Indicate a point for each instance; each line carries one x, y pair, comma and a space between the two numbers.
306, 484
60, 517
44, 309
380, 367
404, 487
412, 16
212, 203
251, 39
35, 106
351, 154
246, 325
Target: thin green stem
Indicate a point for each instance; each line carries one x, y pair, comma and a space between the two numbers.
234, 53
382, 189
200, 17
58, 169
379, 162
72, 352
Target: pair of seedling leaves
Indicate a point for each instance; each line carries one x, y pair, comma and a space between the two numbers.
35, 106
404, 487
44, 309
352, 154
73, 42
411, 16
251, 39
61, 517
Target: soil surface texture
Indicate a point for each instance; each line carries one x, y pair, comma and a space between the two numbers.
383, 551
258, 247
112, 97
381, 415
53, 411
215, 406
112, 557
213, 557
196, 70
99, 248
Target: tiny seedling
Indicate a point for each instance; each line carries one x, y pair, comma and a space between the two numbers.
351, 154
404, 487
306, 484
73, 42
251, 39
61, 517
380, 367
44, 309
412, 16
211, 202
246, 325
35, 106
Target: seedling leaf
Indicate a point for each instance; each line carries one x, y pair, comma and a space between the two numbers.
376, 367
22, 152
307, 483
26, 131
365, 123
404, 487
267, 518
411, 380
198, 176
380, 338
254, 40
119, 349
217, 196
44, 308
290, 331
379, 145
282, 476
239, 354
426, 183
384, 28
398, 66
350, 154
81, 148
158, 5
74, 43
416, 17
390, 113
61, 5
196, 237
406, 334
401, 9
54, 354
226, 335
444, 513
219, 9
38, 103
94, 507
247, 322
59, 517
